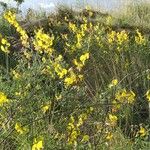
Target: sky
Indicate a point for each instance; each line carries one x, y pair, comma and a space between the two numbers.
50, 5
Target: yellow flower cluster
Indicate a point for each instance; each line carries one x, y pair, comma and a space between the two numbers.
72, 27
72, 78
3, 99
38, 145
69, 76
72, 131
83, 58
122, 37
11, 18
117, 37
79, 40
73, 127
139, 39
124, 96
61, 72
79, 34
4, 45
20, 129
43, 42
111, 37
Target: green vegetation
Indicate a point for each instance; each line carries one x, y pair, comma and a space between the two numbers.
74, 80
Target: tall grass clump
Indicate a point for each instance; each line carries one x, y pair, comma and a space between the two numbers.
135, 14
76, 85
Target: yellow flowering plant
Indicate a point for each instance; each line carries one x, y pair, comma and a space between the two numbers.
77, 84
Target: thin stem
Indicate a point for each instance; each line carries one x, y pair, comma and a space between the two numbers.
7, 64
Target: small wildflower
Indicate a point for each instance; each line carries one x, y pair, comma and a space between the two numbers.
16, 75
142, 132
38, 145
85, 138
17, 93
84, 57
113, 83
19, 128
70, 79
148, 95
111, 37
112, 120
58, 97
139, 39
3, 98
4, 45
109, 136
45, 108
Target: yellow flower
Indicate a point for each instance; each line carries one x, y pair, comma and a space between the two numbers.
4, 45
70, 79
3, 98
85, 138
148, 95
58, 97
112, 119
19, 128
72, 27
122, 37
73, 137
84, 57
3, 41
16, 75
62, 73
38, 145
80, 122
131, 97
109, 136
115, 106
108, 20
114, 82
27, 55
79, 39
142, 131
111, 37
45, 108
11, 18
78, 64
139, 39
43, 42
17, 93
124, 96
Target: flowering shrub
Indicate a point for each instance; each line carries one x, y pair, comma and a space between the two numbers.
82, 96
